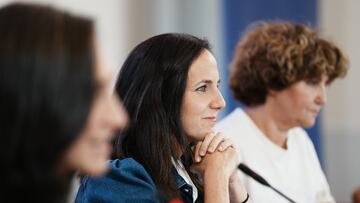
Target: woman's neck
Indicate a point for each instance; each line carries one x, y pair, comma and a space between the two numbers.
270, 124
178, 149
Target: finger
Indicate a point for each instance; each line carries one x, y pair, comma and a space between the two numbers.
197, 156
205, 143
226, 143
215, 142
232, 159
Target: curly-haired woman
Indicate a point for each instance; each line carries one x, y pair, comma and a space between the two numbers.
280, 72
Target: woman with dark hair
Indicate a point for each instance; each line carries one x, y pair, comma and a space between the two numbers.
56, 114
169, 85
280, 72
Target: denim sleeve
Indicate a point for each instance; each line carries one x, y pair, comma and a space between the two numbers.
127, 181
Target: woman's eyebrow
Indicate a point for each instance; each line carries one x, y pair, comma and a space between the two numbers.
206, 81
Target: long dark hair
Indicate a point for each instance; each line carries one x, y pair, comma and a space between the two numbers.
46, 91
152, 83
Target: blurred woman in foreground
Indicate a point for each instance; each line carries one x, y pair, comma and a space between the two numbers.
57, 116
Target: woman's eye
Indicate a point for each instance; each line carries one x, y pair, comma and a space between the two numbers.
201, 89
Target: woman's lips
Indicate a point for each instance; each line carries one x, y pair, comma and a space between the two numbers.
211, 119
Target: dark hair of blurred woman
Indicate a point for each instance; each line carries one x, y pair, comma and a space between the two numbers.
48, 90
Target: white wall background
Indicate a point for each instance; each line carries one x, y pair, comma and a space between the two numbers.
111, 19
339, 20
121, 24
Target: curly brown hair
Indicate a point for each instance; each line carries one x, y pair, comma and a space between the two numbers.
273, 56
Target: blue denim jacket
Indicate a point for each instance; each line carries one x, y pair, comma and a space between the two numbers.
127, 181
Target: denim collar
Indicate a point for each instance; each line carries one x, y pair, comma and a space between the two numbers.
180, 182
